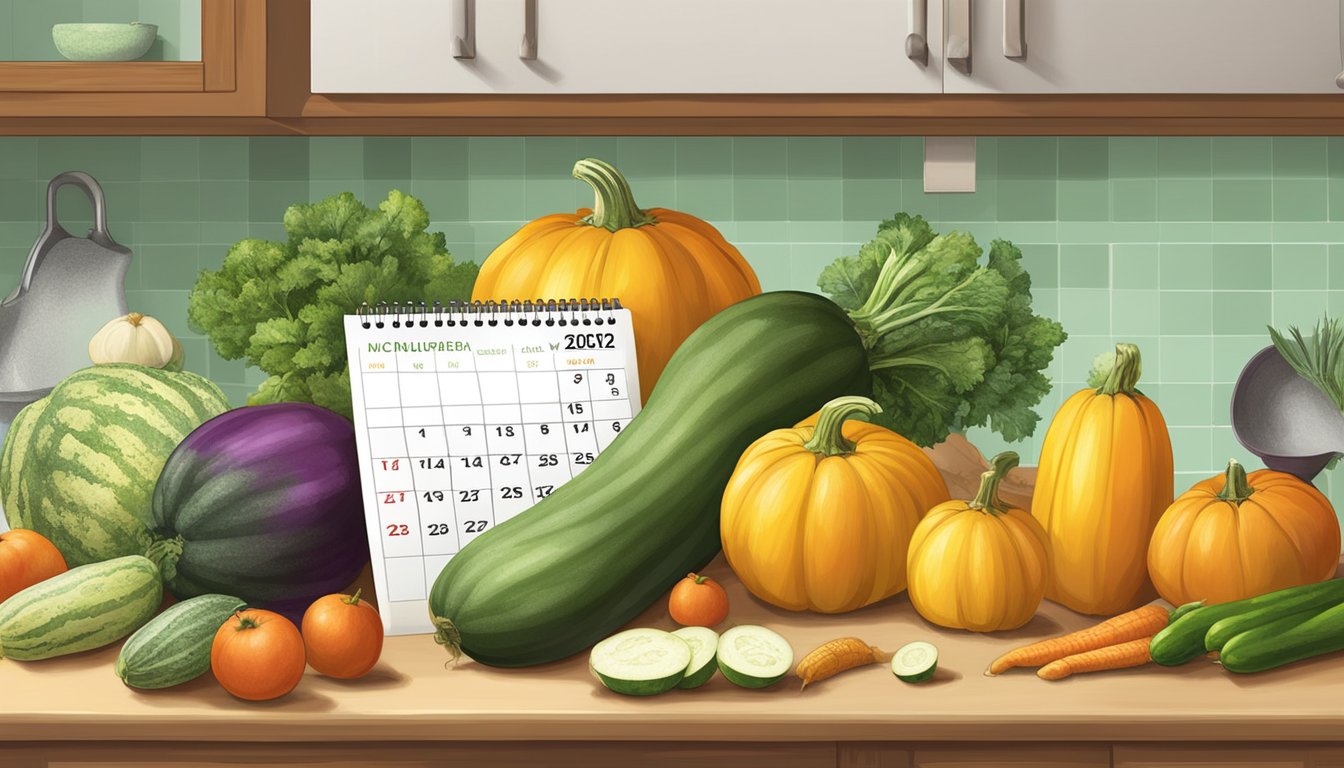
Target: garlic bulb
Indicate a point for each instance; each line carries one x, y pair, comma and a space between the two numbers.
135, 338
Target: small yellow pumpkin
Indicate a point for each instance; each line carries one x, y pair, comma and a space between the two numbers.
136, 338
819, 518
979, 565
1232, 537
1104, 479
673, 271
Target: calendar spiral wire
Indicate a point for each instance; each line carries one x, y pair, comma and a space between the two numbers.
549, 312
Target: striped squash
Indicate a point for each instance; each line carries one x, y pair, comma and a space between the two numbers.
79, 466
174, 647
84, 608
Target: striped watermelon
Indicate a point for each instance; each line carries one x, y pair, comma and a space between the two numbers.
79, 465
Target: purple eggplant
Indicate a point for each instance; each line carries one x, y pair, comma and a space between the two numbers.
262, 502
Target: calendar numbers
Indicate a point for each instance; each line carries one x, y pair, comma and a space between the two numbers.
462, 429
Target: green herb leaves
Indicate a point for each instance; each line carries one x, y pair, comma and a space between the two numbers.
281, 305
952, 343
1318, 359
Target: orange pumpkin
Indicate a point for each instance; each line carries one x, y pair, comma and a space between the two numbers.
697, 601
1104, 479
820, 518
1232, 536
257, 655
342, 636
672, 270
26, 558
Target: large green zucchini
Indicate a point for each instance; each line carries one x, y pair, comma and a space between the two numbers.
587, 559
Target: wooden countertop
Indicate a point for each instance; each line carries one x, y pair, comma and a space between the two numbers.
413, 695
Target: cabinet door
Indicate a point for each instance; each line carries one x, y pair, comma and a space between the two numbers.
1149, 46
625, 47
1015, 756
1197, 757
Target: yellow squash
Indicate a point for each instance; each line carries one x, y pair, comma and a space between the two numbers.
1105, 478
1232, 537
819, 518
979, 565
672, 270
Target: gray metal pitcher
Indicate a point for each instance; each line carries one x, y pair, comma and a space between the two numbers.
71, 287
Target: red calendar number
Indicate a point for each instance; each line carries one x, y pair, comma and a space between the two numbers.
394, 498
392, 465
398, 530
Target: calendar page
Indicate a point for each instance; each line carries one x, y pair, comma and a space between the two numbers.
461, 428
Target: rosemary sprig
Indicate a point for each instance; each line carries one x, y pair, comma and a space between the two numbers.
1318, 358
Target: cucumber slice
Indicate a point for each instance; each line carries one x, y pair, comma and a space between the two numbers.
704, 644
640, 662
754, 657
915, 662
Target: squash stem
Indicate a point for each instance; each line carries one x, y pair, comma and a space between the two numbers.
698, 578
988, 496
354, 599
1124, 374
614, 207
446, 634
1236, 487
829, 438
165, 553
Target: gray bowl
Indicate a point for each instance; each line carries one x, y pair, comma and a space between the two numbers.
1285, 419
104, 42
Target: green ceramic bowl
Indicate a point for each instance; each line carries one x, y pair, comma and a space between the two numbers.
104, 42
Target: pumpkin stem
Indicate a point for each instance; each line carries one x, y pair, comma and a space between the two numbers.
698, 578
1236, 488
446, 634
165, 553
134, 318
1123, 378
988, 496
614, 207
354, 599
829, 438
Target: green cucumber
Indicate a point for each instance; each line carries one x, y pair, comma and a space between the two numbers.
1183, 639
915, 662
640, 662
1226, 629
174, 647
1284, 641
84, 608
587, 559
754, 657
704, 643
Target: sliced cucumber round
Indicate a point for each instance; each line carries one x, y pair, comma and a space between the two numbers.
704, 644
915, 662
640, 662
753, 657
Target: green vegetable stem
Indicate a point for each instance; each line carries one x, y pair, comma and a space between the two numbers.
280, 305
952, 343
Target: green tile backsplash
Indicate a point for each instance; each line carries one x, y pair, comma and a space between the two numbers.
1187, 246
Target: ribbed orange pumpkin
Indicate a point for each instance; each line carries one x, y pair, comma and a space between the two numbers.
1105, 477
1231, 537
820, 518
672, 270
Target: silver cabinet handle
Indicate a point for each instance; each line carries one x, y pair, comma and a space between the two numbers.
1339, 79
959, 35
917, 41
464, 32
528, 49
1013, 47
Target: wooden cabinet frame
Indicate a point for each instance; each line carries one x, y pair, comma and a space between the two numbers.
229, 79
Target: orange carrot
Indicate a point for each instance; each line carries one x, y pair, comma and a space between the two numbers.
1140, 622
837, 656
1131, 654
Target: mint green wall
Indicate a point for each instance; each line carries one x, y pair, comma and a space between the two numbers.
25, 25
1187, 246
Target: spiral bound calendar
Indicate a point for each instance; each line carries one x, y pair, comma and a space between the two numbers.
468, 414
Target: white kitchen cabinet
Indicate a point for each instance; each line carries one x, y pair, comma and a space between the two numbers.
1144, 46
624, 46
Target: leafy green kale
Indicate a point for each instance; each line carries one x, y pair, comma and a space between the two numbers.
281, 305
951, 343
